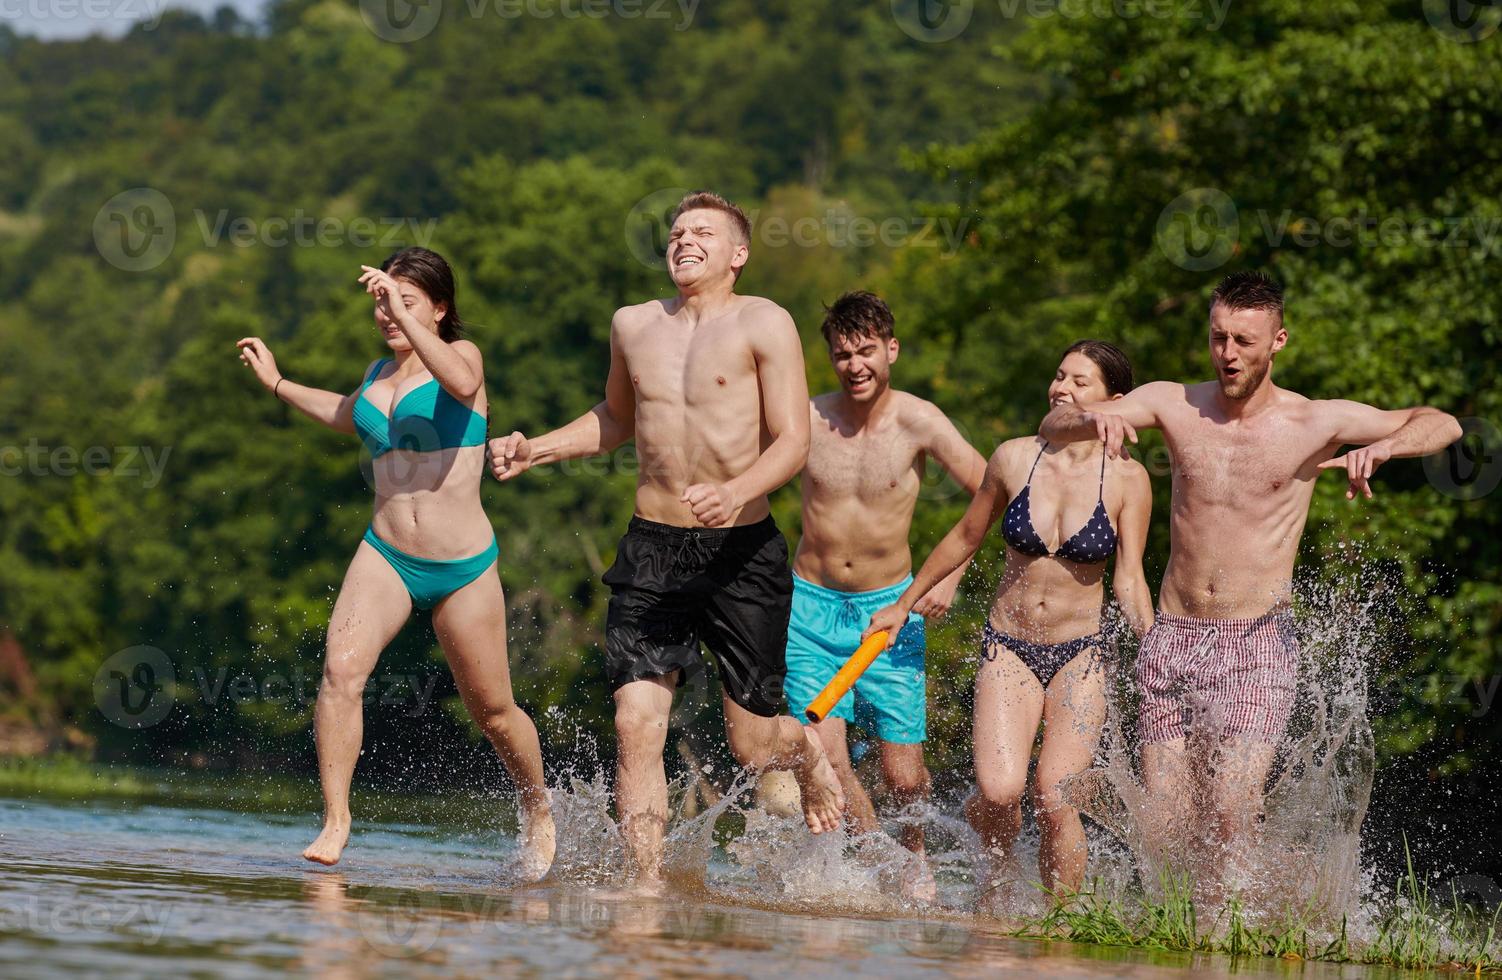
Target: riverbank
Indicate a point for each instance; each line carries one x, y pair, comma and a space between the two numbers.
1416, 929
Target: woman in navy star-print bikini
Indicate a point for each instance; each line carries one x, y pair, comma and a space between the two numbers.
1041, 658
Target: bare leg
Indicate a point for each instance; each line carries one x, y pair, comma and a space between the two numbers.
907, 777
1238, 773
1173, 828
833, 737
371, 608
1008, 707
642, 709
1074, 711
780, 742
471, 626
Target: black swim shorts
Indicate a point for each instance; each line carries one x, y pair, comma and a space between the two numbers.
731, 588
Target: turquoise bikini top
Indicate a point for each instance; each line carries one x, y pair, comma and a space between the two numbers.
425, 420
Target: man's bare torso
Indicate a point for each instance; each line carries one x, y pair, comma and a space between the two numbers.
1241, 492
698, 403
859, 490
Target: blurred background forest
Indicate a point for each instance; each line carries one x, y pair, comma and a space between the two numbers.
1009, 187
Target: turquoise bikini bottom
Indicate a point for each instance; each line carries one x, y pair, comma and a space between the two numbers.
428, 579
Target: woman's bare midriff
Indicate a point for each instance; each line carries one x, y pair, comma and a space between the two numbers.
428, 504
1048, 599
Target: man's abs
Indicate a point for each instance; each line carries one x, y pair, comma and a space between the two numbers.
1231, 568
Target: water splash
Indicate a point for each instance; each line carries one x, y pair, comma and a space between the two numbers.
1304, 854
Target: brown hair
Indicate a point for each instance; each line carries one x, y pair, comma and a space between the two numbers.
710, 201
1114, 365
1249, 290
857, 314
428, 271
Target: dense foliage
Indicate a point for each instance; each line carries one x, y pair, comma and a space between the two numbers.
1032, 176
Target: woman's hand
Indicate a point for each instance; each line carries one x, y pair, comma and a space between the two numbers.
388, 296
892, 619
257, 356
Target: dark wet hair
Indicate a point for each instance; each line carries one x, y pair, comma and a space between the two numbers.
1249, 290
857, 314
1114, 365
428, 271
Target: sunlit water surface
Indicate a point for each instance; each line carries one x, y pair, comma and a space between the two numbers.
133, 890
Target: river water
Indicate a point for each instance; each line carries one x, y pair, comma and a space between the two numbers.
130, 890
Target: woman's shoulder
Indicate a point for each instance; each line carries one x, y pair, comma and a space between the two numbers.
1130, 472
1021, 446
1014, 453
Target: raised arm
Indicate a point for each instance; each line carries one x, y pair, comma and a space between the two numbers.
1114, 422
1128, 582
599, 430
943, 442
324, 407
957, 548
784, 404
458, 366
1383, 434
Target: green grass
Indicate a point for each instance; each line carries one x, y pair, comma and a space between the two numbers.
1419, 931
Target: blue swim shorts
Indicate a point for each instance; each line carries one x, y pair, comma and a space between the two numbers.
889, 699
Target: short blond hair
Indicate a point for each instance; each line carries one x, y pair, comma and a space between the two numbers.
710, 201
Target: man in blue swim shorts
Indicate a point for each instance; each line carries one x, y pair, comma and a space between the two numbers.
869, 447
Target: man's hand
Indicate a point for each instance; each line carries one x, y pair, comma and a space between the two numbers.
892, 619
1359, 465
713, 504
939, 599
1114, 431
509, 456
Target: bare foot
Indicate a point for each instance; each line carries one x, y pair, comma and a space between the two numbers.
330, 844
538, 843
918, 883
823, 800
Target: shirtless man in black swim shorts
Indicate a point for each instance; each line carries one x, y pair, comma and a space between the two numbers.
711, 386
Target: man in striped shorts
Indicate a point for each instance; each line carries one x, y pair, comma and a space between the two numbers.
1218, 671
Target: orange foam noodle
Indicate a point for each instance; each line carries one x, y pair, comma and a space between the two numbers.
842, 681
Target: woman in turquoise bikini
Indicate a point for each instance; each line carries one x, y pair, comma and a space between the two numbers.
421, 416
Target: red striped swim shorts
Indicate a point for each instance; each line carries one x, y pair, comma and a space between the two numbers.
1221, 677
